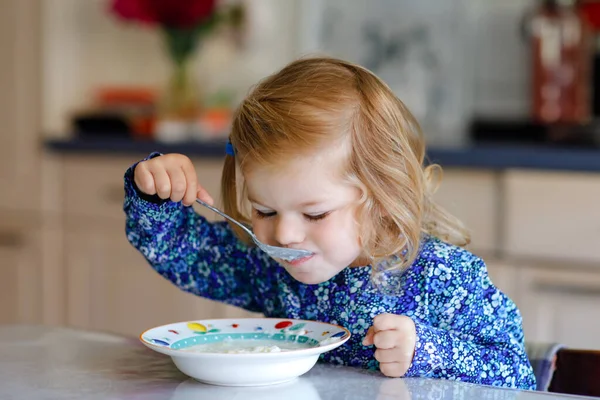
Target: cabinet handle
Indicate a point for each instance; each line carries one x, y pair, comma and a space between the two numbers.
10, 239
114, 194
570, 289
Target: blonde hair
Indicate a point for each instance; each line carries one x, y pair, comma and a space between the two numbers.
313, 103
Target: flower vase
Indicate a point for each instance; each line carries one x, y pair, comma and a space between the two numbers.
179, 105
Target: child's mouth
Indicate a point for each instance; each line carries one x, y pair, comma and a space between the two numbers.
300, 261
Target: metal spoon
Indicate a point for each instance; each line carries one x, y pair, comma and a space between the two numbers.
273, 251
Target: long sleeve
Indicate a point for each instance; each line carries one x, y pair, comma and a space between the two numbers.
199, 257
473, 332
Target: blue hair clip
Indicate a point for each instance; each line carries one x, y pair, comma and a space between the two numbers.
229, 149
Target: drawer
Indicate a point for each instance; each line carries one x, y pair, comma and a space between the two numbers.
472, 196
559, 305
553, 215
94, 184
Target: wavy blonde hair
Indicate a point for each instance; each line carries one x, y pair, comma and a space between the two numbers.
311, 104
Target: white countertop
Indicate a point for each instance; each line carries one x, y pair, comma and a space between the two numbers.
38, 362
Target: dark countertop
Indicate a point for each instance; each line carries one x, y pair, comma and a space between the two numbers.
500, 157
480, 156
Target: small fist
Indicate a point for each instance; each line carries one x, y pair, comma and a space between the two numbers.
395, 337
171, 176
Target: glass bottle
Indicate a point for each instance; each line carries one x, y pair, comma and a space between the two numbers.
562, 54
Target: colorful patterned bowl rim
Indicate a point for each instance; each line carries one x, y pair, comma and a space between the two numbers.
340, 333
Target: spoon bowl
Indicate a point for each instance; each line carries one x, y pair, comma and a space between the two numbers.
282, 253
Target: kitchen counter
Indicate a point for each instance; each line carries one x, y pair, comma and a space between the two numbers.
481, 156
38, 362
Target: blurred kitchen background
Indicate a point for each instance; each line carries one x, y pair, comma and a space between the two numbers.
507, 93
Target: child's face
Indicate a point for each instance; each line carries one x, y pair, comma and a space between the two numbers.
305, 205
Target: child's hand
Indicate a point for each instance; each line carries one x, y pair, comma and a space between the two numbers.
171, 176
395, 337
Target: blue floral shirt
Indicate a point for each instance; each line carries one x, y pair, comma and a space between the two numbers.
467, 329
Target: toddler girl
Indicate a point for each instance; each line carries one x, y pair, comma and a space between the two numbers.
323, 157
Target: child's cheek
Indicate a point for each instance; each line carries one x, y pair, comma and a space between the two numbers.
325, 232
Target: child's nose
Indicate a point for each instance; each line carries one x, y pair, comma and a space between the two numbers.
288, 231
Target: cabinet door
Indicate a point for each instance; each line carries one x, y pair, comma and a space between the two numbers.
19, 99
561, 306
94, 185
553, 216
112, 288
20, 274
472, 196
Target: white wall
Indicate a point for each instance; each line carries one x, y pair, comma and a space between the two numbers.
84, 47
501, 81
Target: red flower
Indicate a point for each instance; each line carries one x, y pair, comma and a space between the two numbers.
591, 10
168, 13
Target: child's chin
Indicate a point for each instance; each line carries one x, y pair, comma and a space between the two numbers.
308, 278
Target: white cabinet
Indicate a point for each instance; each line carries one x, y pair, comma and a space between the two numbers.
553, 216
30, 276
552, 235
544, 228
19, 106
560, 305
93, 185
20, 270
473, 197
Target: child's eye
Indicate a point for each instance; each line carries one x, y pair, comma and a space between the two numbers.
310, 217
262, 214
317, 217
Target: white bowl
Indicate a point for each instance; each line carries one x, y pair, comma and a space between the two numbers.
245, 369
297, 389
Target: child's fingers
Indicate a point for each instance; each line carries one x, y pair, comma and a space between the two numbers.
386, 339
143, 179
178, 184
162, 182
368, 340
384, 322
398, 353
204, 196
394, 369
390, 355
191, 184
